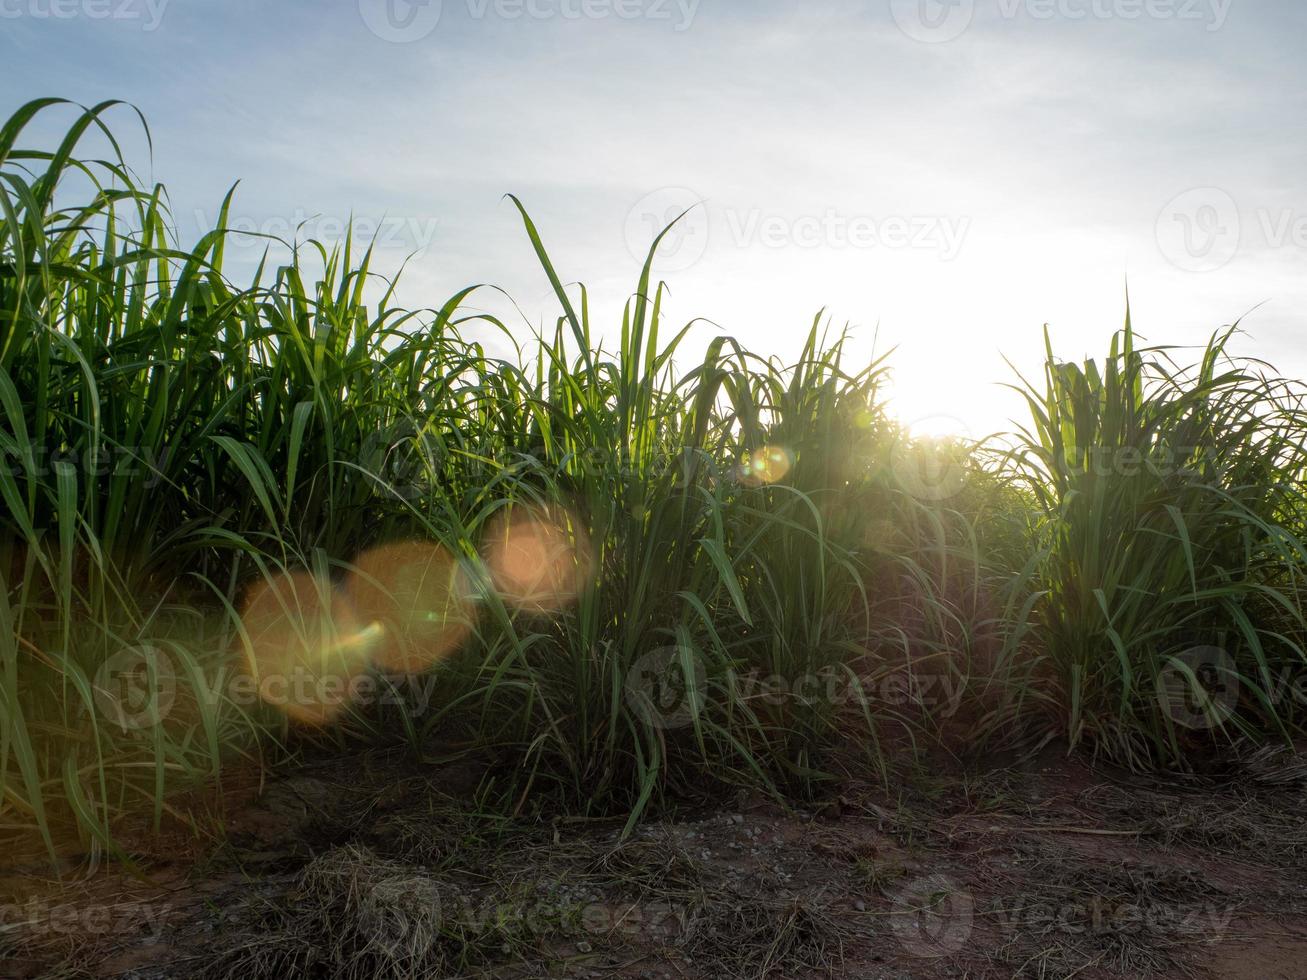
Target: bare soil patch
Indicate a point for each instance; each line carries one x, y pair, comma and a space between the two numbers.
376, 865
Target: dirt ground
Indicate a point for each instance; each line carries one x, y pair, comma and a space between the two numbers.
372, 865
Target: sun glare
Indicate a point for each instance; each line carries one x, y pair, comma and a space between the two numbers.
766, 464
418, 596
538, 561
304, 648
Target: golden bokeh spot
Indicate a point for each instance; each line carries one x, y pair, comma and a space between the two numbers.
766, 464
305, 649
538, 560
419, 596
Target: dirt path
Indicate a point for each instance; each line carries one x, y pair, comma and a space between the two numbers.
375, 866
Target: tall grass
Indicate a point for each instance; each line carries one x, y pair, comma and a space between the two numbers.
172, 439
761, 571
1168, 550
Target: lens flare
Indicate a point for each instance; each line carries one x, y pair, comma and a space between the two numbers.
304, 649
419, 597
538, 560
766, 464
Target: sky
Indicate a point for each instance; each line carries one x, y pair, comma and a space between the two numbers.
943, 177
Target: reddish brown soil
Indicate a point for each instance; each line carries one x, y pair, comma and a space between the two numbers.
1036, 869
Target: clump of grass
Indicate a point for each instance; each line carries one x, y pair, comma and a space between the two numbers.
1164, 592
171, 439
660, 862
761, 939
353, 915
1237, 820
1133, 920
